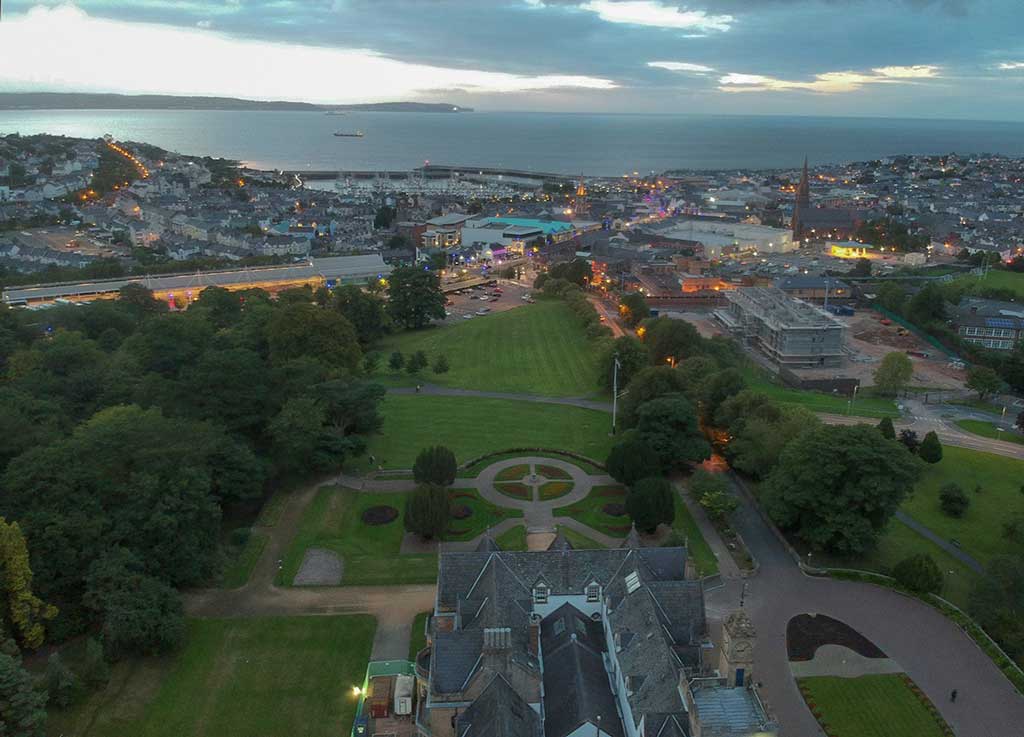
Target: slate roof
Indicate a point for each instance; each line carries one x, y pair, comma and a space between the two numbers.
499, 712
576, 686
561, 542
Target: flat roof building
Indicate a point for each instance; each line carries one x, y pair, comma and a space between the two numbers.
792, 333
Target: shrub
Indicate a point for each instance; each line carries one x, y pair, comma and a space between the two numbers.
94, 671
427, 511
886, 428
931, 449
631, 459
441, 365
919, 573
61, 684
396, 361
953, 500
650, 503
435, 465
239, 536
416, 363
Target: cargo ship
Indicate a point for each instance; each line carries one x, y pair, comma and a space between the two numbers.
344, 134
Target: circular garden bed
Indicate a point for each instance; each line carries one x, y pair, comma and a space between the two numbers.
614, 509
461, 511
381, 514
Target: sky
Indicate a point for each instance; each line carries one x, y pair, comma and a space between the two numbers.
888, 58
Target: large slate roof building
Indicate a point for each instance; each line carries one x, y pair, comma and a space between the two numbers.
573, 643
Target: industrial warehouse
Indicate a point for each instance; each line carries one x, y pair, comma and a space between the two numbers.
181, 289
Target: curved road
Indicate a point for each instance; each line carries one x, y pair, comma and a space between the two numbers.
930, 648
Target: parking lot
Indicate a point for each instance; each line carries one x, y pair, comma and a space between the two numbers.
487, 298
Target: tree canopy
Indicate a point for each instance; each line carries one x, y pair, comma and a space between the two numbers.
893, 373
415, 297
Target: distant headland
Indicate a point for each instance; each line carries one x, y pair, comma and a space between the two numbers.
104, 101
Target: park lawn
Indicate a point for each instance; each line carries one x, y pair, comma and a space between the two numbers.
514, 539
472, 426
370, 553
996, 279
474, 470
980, 530
554, 490
990, 430
418, 639
864, 406
578, 541
259, 677
871, 706
239, 566
590, 512
535, 349
484, 514
700, 551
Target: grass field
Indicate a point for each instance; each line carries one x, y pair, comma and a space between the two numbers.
514, 539
370, 553
700, 551
418, 639
260, 677
537, 349
484, 515
864, 406
989, 430
471, 427
239, 567
1000, 499
870, 706
578, 541
474, 470
996, 279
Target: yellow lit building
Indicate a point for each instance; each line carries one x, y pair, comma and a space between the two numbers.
851, 249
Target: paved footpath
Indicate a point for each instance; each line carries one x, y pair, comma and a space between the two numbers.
929, 647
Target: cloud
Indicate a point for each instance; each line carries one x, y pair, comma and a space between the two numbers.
1011, 65
207, 23
827, 82
680, 66
197, 61
656, 14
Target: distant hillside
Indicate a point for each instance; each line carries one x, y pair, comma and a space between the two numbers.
100, 101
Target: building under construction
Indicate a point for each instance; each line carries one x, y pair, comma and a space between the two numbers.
792, 333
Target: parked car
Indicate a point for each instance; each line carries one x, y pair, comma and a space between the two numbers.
468, 316
483, 311
493, 299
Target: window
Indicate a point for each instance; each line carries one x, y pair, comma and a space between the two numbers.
559, 627
540, 594
593, 592
632, 582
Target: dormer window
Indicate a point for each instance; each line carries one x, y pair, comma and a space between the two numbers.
593, 592
540, 594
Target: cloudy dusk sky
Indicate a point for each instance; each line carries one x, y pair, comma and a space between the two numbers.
900, 58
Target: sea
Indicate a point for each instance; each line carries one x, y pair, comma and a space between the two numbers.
566, 143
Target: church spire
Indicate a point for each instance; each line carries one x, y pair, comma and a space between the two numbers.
803, 192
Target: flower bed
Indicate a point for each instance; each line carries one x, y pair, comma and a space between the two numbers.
461, 511
513, 473
614, 509
515, 490
553, 472
379, 515
555, 489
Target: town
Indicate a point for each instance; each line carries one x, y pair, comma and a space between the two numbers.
681, 453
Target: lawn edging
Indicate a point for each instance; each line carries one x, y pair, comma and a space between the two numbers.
982, 640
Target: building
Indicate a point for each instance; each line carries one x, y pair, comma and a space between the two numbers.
851, 249
815, 288
792, 333
722, 238
179, 290
809, 221
579, 643
990, 323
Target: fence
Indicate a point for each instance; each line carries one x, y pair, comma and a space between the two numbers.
930, 339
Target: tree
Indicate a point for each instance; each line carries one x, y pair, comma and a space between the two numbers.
22, 707
669, 426
760, 434
649, 383
717, 388
427, 511
61, 683
396, 361
632, 357
1019, 424
651, 502
908, 439
670, 341
577, 271
22, 613
415, 297
893, 373
416, 363
927, 306
892, 297
305, 330
983, 380
365, 311
953, 500
633, 308
632, 459
837, 487
997, 600
435, 466
695, 372
95, 670
384, 217
919, 573
441, 364
222, 308
887, 429
861, 267
931, 449
140, 299
230, 387
712, 493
